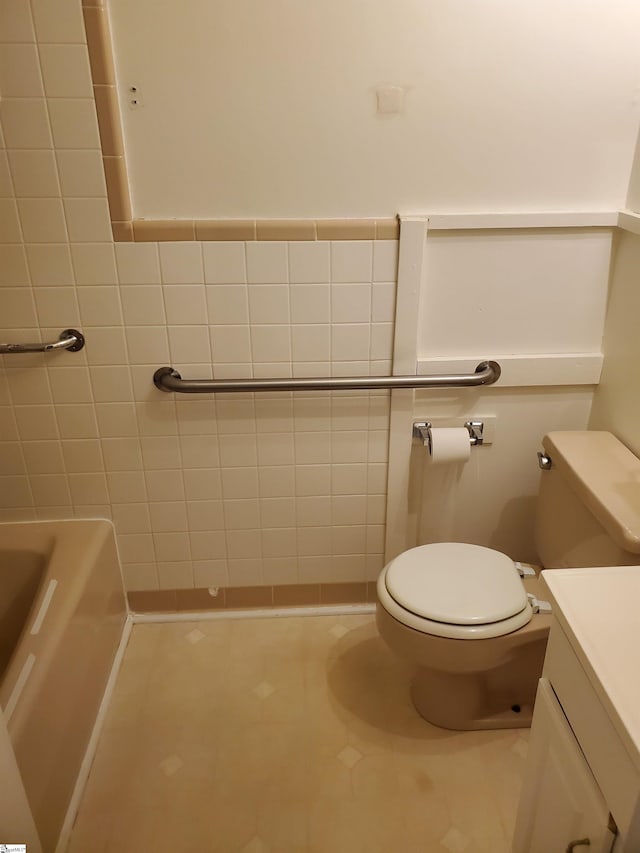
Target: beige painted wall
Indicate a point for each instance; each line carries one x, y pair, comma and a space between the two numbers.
256, 109
616, 405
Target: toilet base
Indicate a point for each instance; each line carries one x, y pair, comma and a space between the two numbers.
492, 700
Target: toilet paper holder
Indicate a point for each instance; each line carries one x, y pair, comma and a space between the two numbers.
422, 430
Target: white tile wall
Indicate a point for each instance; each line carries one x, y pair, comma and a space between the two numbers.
234, 490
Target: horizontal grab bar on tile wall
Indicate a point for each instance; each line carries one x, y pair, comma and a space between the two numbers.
168, 379
70, 339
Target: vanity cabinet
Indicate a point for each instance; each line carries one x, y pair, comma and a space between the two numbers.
582, 779
561, 803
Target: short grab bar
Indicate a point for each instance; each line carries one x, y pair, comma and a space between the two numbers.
70, 339
168, 379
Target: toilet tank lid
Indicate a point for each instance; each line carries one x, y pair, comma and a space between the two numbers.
606, 477
455, 583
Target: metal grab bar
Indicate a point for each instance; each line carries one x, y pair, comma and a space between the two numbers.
168, 379
70, 339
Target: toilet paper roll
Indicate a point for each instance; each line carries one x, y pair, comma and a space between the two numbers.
449, 445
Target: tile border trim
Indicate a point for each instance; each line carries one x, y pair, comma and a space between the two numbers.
243, 597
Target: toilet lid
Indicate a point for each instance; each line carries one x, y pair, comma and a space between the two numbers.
456, 583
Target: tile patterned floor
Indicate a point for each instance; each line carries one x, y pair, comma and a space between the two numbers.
287, 735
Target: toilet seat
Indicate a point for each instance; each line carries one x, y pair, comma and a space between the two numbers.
455, 590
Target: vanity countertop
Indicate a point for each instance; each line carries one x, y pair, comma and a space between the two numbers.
599, 611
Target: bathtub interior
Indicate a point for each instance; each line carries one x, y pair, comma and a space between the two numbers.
21, 574
70, 615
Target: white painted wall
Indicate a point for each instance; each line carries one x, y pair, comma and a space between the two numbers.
491, 293
254, 109
616, 405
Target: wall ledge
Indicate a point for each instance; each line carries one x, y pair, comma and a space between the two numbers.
548, 369
629, 220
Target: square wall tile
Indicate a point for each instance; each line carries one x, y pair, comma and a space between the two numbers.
237, 451
267, 263
239, 483
175, 575
309, 262
138, 263
16, 23
35, 423
74, 123
77, 421
199, 451
164, 485
310, 303
190, 345
50, 265
126, 487
181, 263
131, 518
88, 488
81, 173
111, 384
160, 452
13, 265
205, 515
230, 344
185, 303
42, 220
28, 385
25, 123
139, 577
224, 263
88, 220
168, 516
227, 304
210, 574
65, 70
58, 22
268, 303
99, 305
241, 514
20, 71
42, 457
311, 343
350, 303
18, 310
352, 261
271, 343
202, 484
383, 302
122, 454
107, 346
147, 344
116, 419
350, 342
34, 173
385, 260
83, 456
142, 305
57, 306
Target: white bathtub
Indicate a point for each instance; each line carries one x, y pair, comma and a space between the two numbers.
62, 614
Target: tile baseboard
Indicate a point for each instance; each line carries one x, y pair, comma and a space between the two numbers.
243, 597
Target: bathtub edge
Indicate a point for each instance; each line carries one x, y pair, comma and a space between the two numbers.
92, 745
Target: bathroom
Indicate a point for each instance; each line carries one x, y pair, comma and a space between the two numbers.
503, 136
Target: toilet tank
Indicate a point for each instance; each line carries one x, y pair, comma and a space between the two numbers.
588, 511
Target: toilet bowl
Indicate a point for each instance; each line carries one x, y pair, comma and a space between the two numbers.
461, 613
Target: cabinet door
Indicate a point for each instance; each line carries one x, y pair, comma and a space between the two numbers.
560, 800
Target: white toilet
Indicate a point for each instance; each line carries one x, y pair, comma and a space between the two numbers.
463, 614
